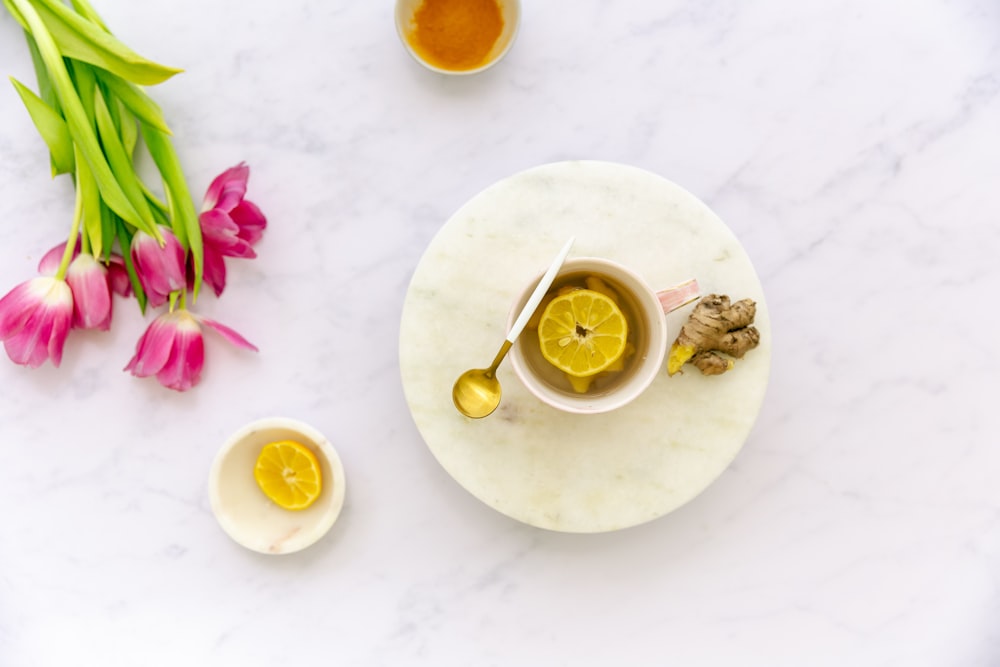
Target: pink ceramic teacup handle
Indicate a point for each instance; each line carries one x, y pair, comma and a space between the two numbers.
679, 295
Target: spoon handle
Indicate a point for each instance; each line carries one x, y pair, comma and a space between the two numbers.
540, 290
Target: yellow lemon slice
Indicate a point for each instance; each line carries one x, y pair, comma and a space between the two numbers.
582, 332
289, 474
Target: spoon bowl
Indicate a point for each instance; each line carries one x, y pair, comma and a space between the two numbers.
477, 393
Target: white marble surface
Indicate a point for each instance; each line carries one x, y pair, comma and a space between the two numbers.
852, 148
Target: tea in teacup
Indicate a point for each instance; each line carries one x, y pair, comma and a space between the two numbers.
598, 338
586, 335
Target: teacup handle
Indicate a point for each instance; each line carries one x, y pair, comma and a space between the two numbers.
674, 297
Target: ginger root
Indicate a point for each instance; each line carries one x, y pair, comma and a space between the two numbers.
714, 334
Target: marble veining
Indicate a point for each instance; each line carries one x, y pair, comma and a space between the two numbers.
849, 146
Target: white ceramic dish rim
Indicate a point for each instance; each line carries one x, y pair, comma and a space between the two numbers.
511, 9
322, 515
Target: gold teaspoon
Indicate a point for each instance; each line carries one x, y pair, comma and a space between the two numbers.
476, 393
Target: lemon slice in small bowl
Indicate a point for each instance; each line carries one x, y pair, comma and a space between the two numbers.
276, 486
289, 474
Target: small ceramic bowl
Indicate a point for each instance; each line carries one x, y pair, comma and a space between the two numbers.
510, 10
250, 517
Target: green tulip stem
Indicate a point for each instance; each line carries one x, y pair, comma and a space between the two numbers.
74, 232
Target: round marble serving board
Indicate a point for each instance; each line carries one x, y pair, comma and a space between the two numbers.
546, 468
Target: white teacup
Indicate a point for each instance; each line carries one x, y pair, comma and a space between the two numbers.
645, 310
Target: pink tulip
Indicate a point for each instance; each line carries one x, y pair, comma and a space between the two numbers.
230, 224
160, 268
35, 318
214, 268
117, 274
118, 279
49, 263
91, 295
173, 350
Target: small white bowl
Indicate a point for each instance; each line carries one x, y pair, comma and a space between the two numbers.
250, 517
509, 9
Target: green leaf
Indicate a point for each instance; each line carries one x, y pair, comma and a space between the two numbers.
128, 128
79, 38
155, 204
93, 224
45, 89
15, 13
138, 102
84, 9
85, 84
180, 231
162, 216
51, 126
109, 228
121, 163
76, 119
123, 120
184, 216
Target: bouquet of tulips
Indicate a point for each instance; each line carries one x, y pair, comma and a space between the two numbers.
95, 117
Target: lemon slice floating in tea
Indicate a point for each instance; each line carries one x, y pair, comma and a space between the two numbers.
289, 474
582, 332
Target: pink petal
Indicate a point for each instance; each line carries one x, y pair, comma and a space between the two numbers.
214, 270
250, 220
91, 295
160, 269
219, 230
57, 340
49, 264
26, 347
183, 369
154, 347
227, 189
229, 334
39, 332
156, 299
118, 278
16, 307
217, 225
